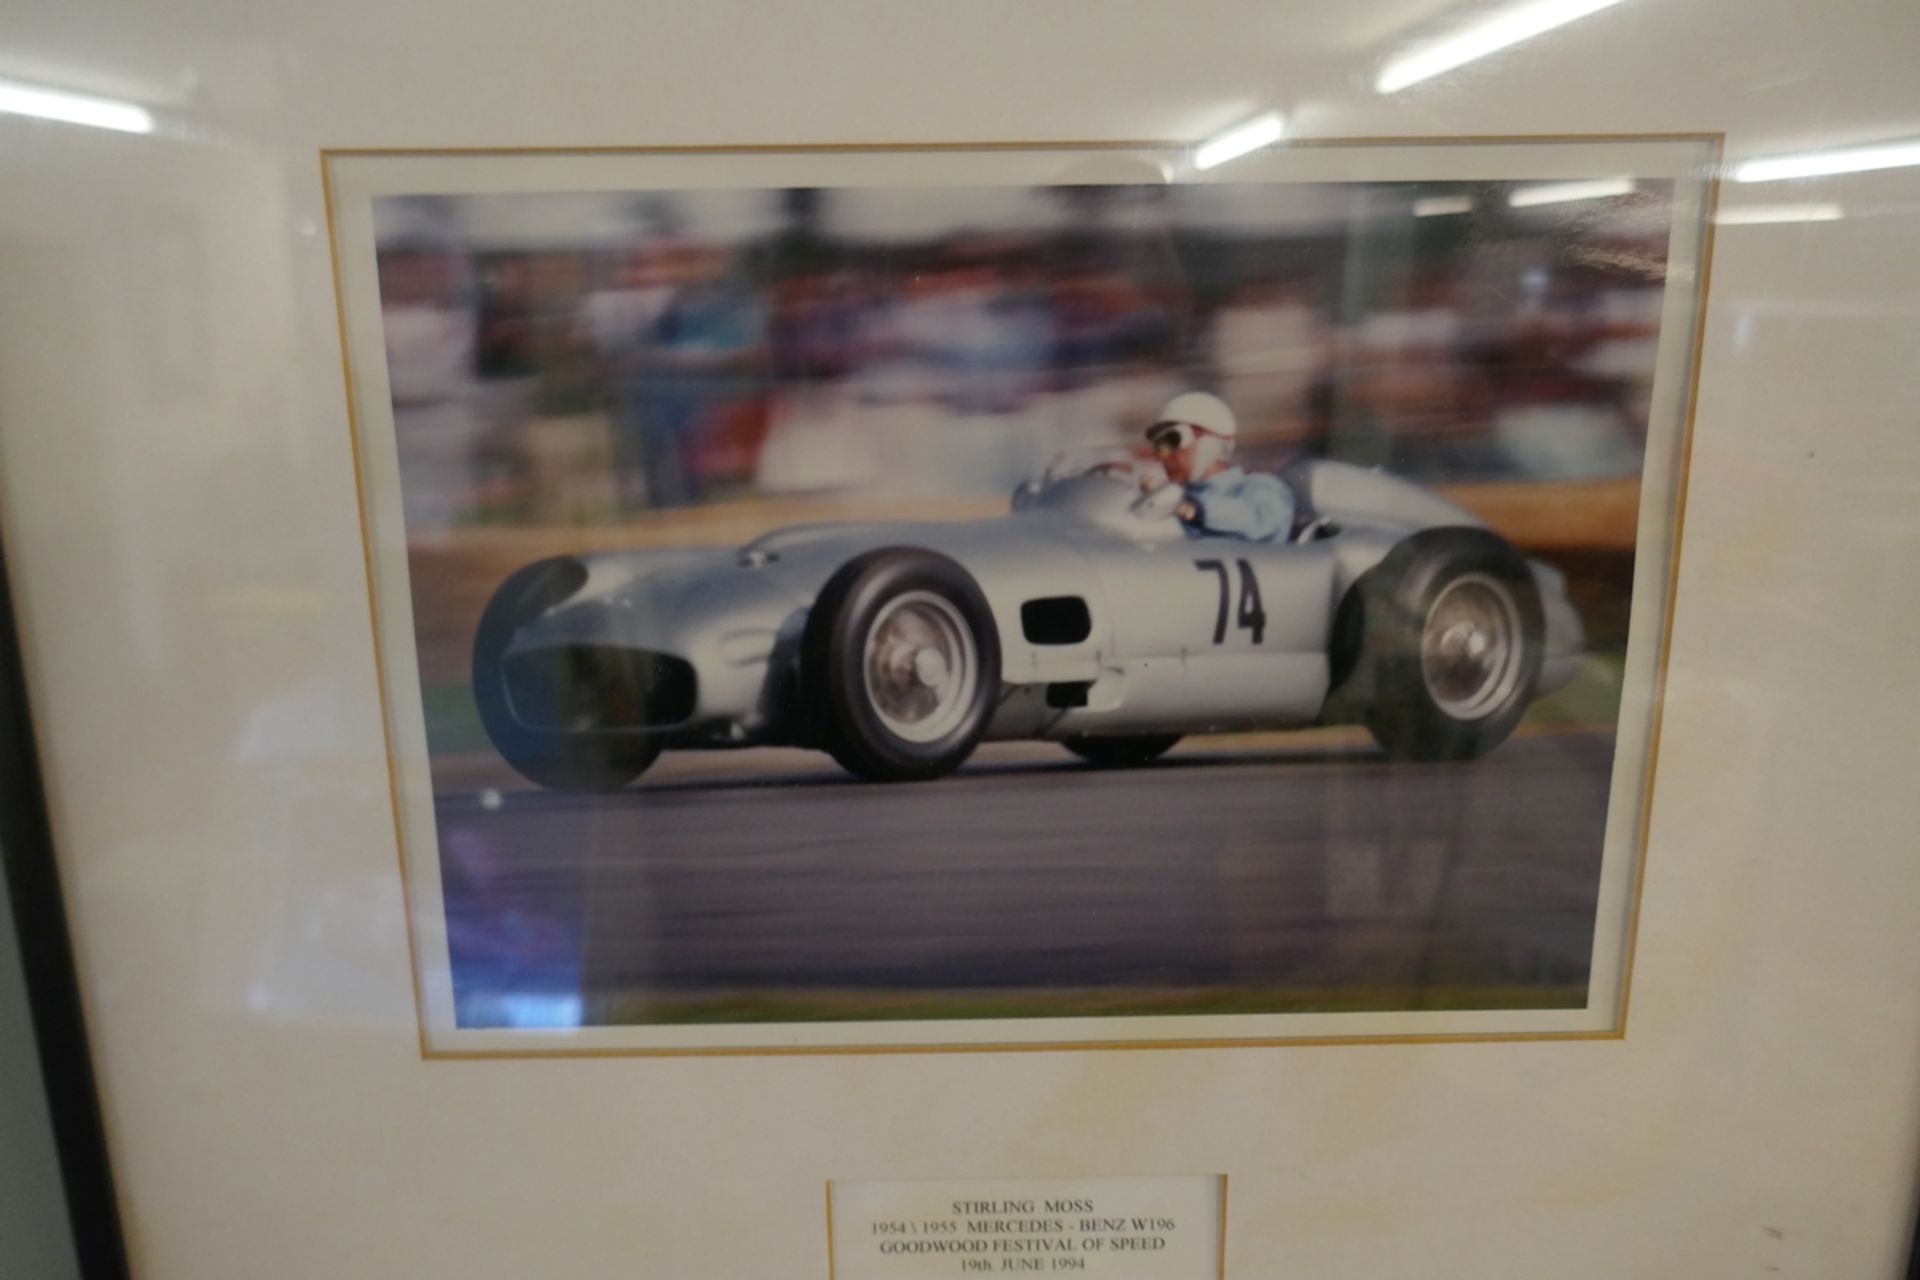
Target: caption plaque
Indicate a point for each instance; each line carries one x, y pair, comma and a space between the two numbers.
1167, 1228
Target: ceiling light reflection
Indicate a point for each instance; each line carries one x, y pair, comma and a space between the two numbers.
1236, 142
1561, 192
1757, 214
1814, 164
1506, 28
73, 108
1441, 206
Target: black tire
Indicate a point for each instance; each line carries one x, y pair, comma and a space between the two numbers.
560, 761
869, 739
1438, 685
1122, 753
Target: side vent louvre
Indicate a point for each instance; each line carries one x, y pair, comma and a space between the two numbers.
1056, 620
1062, 697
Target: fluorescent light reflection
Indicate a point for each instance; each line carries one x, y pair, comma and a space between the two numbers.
1814, 164
1441, 206
1562, 192
1236, 142
1758, 214
73, 108
1506, 28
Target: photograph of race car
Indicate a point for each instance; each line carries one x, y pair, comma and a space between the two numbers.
1005, 601
1111, 612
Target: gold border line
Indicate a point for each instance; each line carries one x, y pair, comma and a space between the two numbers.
373, 607
1716, 143
1648, 783
935, 148
1021, 1046
1223, 1227
830, 1262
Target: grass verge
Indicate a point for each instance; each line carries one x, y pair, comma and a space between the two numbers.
853, 1006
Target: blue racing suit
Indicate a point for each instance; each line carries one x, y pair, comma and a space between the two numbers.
1238, 504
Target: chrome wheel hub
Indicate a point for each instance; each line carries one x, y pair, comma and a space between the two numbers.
1470, 648
921, 666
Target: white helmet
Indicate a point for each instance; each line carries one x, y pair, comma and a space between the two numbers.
1202, 420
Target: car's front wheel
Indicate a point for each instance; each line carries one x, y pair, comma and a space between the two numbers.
901, 662
1442, 641
559, 761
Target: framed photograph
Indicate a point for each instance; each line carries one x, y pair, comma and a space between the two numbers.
1011, 597
690, 642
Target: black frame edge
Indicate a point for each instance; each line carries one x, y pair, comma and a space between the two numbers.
53, 985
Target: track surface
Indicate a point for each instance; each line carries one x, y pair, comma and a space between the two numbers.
764, 875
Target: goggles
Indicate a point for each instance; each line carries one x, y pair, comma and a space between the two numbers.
1171, 437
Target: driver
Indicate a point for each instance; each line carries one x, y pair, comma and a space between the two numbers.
1193, 440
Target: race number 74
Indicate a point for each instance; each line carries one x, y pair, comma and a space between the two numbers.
1249, 616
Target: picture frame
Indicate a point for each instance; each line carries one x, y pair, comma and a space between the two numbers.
182, 518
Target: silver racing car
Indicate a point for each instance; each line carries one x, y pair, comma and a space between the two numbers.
1087, 617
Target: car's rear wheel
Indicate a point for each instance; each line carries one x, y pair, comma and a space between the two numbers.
1123, 752
1441, 643
560, 761
901, 662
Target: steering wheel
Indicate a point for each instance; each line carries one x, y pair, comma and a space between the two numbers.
1161, 503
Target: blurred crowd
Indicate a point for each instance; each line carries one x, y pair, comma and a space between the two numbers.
554, 385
